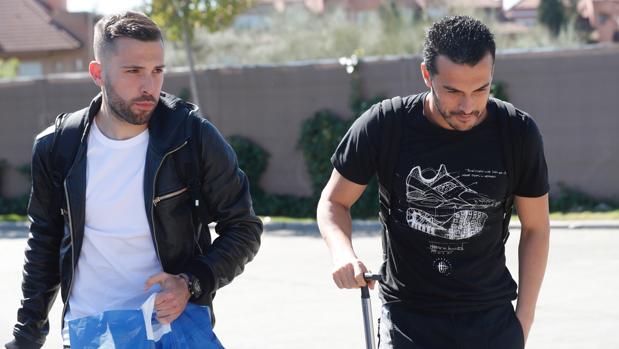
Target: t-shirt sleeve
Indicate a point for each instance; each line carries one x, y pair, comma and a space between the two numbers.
533, 180
356, 156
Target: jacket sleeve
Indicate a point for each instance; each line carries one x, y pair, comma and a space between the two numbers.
41, 277
226, 191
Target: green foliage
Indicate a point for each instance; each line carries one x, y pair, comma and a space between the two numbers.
252, 158
566, 199
184, 94
4, 165
16, 205
25, 171
498, 90
175, 16
13, 217
552, 14
320, 135
299, 35
9, 68
358, 103
283, 205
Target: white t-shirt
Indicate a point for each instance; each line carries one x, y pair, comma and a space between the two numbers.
118, 253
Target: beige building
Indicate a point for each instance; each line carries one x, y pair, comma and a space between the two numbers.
44, 37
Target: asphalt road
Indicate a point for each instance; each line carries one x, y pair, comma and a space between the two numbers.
286, 299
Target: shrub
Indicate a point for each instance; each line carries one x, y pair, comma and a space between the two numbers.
320, 135
253, 159
568, 199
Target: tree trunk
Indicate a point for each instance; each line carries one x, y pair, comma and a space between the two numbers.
193, 85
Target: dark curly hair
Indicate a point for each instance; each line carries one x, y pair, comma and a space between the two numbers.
462, 39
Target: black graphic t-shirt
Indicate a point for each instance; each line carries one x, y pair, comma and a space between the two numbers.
444, 249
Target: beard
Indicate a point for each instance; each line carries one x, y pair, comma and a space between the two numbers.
448, 116
122, 108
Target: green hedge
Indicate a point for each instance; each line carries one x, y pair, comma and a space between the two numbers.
319, 137
16, 205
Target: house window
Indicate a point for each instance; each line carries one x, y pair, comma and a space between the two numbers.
79, 64
602, 18
59, 67
32, 68
616, 36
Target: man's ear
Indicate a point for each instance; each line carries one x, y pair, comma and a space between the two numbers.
96, 72
425, 73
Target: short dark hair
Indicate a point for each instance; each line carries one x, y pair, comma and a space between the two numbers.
462, 39
133, 25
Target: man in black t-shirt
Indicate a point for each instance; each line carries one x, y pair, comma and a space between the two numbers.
445, 283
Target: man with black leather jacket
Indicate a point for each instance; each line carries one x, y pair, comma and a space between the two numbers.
119, 221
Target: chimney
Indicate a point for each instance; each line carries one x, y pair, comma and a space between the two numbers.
57, 5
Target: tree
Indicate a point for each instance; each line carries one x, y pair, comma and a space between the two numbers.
180, 18
552, 14
8, 68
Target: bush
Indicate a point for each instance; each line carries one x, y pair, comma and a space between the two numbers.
567, 199
253, 159
4, 165
320, 135
16, 205
283, 205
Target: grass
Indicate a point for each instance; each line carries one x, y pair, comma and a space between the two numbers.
12, 217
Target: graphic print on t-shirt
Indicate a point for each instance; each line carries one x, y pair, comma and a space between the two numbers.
456, 210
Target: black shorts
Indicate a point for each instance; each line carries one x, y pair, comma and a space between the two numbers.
400, 327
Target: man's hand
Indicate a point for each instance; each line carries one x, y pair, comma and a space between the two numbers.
172, 300
349, 274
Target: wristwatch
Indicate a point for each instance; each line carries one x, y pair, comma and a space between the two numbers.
193, 285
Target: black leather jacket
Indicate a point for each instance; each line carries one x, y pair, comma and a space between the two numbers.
55, 239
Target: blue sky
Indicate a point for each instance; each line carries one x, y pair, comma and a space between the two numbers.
102, 6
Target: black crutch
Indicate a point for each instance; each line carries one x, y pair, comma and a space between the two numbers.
366, 306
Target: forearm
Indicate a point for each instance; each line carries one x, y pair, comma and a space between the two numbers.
532, 260
335, 224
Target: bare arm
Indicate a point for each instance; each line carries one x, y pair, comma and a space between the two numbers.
335, 224
532, 255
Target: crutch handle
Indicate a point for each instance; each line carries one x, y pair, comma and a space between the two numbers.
365, 292
371, 276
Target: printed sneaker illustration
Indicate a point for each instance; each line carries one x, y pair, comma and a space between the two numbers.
459, 205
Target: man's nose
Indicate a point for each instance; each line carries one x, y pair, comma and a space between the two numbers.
148, 84
466, 105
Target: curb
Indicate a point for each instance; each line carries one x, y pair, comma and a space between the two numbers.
360, 227
14, 230
374, 226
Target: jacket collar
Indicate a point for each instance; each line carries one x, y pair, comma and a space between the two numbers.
166, 125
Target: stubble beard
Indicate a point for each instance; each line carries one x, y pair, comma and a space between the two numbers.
121, 109
448, 117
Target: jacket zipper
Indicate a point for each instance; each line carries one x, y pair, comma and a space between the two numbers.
158, 199
152, 211
68, 212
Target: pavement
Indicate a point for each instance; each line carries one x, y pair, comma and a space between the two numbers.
286, 299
